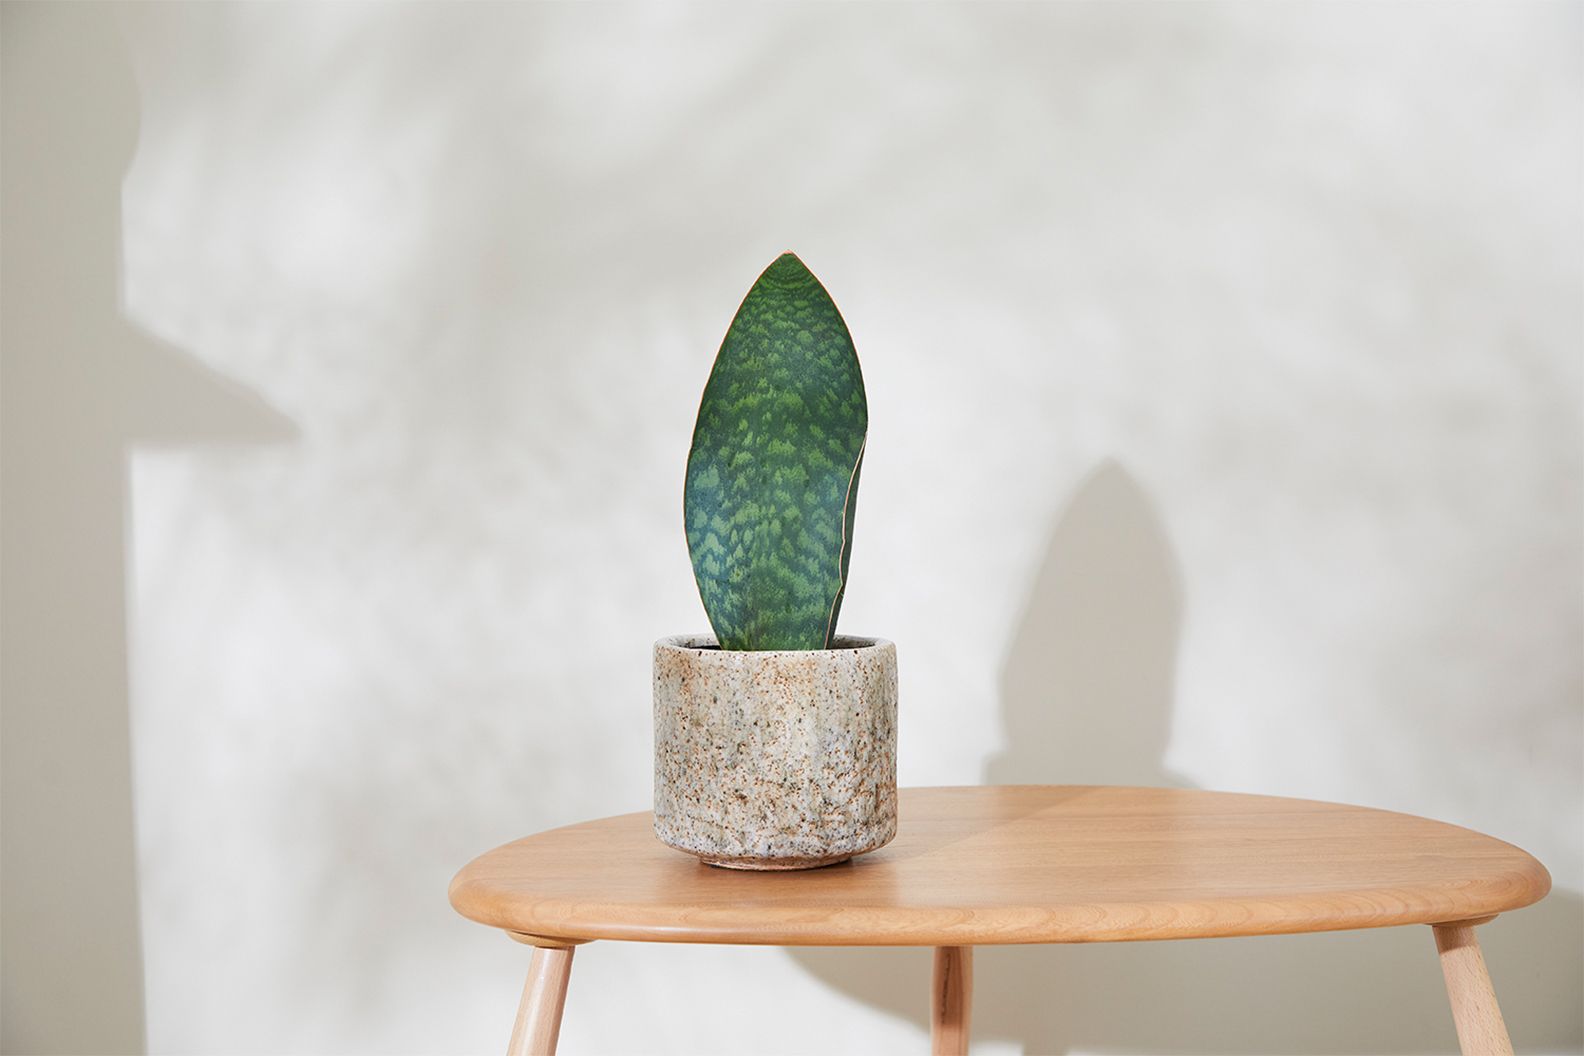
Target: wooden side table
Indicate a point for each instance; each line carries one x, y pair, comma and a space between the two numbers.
1019, 864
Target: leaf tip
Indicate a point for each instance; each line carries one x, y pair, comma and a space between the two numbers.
788, 266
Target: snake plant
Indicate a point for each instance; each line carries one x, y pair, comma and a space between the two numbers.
772, 478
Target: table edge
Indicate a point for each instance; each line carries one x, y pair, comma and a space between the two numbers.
1509, 891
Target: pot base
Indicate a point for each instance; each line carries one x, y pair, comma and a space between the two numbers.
775, 865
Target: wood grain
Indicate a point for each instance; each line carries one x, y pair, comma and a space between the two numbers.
1019, 864
1480, 1029
951, 1000
538, 1023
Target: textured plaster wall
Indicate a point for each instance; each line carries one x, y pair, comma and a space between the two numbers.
1224, 375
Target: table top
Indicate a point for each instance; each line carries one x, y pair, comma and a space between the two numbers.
1019, 864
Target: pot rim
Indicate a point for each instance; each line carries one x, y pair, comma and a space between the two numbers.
708, 646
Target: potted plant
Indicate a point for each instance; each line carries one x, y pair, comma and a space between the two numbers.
775, 740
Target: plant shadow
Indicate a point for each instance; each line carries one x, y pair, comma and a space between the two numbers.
1087, 690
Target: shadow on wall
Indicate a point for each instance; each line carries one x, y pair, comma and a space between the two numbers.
1086, 691
82, 386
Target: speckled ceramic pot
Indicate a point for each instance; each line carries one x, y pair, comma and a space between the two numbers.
775, 760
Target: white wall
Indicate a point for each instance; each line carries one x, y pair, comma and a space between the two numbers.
1224, 374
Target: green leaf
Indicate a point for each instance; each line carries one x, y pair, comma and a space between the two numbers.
772, 479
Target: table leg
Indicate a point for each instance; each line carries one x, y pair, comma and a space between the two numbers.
1480, 1029
544, 995
951, 1000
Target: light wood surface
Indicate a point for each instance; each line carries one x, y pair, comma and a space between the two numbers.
543, 941
544, 996
1480, 1029
1019, 864
951, 1000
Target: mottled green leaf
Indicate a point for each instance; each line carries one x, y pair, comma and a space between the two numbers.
772, 479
